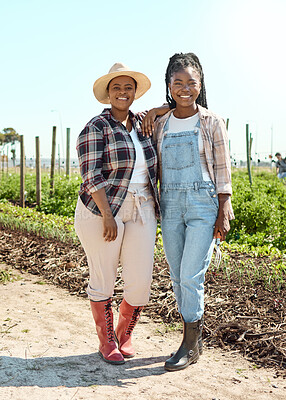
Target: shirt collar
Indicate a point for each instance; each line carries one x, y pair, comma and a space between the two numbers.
106, 113
203, 112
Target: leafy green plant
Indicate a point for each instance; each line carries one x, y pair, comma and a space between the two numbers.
256, 265
61, 202
6, 276
64, 199
259, 210
31, 220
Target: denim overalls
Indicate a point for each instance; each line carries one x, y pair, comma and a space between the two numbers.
189, 208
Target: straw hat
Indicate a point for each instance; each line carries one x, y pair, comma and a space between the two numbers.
119, 69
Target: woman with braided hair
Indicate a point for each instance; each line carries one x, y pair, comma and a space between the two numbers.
195, 190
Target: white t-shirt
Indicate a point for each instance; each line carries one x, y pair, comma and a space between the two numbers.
188, 124
140, 172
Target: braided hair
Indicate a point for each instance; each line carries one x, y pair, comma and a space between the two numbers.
178, 62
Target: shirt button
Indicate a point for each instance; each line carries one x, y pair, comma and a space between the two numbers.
214, 195
212, 190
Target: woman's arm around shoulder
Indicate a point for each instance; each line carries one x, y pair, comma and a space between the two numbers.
148, 121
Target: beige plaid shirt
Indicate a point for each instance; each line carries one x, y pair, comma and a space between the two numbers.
216, 146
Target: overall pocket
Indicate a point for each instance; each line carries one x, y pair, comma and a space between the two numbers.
178, 155
212, 196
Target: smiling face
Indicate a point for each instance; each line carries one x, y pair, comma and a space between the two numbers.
185, 88
121, 91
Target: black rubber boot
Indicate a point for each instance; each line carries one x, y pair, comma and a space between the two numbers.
188, 352
200, 339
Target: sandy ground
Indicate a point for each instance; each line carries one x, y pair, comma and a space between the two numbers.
48, 350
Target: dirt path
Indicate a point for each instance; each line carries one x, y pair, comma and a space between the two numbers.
48, 349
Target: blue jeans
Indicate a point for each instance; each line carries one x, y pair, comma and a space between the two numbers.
188, 219
282, 175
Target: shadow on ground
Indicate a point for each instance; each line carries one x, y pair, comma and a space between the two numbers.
75, 371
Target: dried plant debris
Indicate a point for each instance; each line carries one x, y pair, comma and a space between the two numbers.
239, 314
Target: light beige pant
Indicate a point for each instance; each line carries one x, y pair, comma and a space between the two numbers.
133, 247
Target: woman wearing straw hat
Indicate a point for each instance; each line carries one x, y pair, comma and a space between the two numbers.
115, 214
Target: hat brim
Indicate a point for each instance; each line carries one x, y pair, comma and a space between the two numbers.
100, 85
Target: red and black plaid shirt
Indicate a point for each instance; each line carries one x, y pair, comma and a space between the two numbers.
106, 156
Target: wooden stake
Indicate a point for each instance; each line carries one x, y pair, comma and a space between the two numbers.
7, 161
22, 172
68, 166
2, 159
248, 153
53, 157
38, 172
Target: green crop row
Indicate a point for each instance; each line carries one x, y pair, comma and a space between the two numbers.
256, 264
259, 210
31, 220
61, 202
264, 265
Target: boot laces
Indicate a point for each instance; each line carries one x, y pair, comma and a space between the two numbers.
134, 319
109, 322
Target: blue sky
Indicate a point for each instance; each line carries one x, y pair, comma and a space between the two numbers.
52, 51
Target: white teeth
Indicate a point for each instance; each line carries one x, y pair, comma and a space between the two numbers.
185, 97
122, 98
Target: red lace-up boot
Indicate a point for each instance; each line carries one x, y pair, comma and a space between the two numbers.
103, 318
128, 318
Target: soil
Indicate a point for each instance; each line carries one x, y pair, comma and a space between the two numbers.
242, 312
48, 343
49, 350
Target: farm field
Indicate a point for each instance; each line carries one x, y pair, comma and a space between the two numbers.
50, 351
245, 296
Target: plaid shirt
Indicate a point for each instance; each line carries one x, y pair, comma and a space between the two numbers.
216, 148
107, 156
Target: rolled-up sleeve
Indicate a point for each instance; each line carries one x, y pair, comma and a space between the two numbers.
90, 149
222, 164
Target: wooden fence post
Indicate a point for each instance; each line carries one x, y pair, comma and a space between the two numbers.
53, 156
22, 172
7, 161
2, 161
38, 172
248, 153
68, 162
